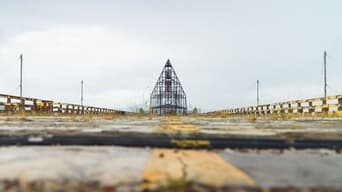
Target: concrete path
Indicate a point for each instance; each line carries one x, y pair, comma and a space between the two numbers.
106, 165
305, 168
145, 168
308, 127
112, 166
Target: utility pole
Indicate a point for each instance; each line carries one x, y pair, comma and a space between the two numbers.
325, 74
82, 92
258, 99
21, 75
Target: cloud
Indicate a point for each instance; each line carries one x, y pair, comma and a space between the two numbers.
218, 49
86, 46
56, 59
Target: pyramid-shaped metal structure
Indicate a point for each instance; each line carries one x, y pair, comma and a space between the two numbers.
168, 96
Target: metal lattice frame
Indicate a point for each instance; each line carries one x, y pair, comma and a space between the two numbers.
168, 96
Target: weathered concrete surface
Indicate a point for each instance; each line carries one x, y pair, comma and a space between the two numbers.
323, 127
113, 166
305, 127
76, 124
117, 166
105, 165
305, 168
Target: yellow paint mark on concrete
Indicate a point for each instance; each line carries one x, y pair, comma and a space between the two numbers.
167, 166
174, 124
183, 143
339, 113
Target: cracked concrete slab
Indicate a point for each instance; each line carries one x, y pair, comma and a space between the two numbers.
114, 166
132, 167
203, 167
299, 168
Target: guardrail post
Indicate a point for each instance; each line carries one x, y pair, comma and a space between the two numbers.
290, 109
244, 111
299, 108
311, 108
60, 108
50, 107
274, 107
22, 105
264, 109
45, 106
268, 109
325, 107
78, 109
281, 109
8, 105
339, 108
324, 101
34, 106
260, 110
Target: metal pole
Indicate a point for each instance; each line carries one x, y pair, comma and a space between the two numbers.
82, 92
325, 74
21, 75
258, 99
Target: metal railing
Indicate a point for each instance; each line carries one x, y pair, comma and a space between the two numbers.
16, 104
324, 105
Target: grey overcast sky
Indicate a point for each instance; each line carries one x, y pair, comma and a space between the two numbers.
219, 48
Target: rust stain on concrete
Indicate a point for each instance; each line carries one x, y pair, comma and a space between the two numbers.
187, 143
167, 166
174, 124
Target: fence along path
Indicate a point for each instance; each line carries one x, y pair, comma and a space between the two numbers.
16, 104
322, 105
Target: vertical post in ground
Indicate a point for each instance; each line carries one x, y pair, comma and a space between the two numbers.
22, 102
325, 74
21, 75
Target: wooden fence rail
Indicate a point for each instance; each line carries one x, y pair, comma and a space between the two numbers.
324, 105
15, 104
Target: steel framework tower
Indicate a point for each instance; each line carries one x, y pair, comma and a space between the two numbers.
168, 96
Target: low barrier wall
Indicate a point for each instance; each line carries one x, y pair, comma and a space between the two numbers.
330, 104
16, 104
